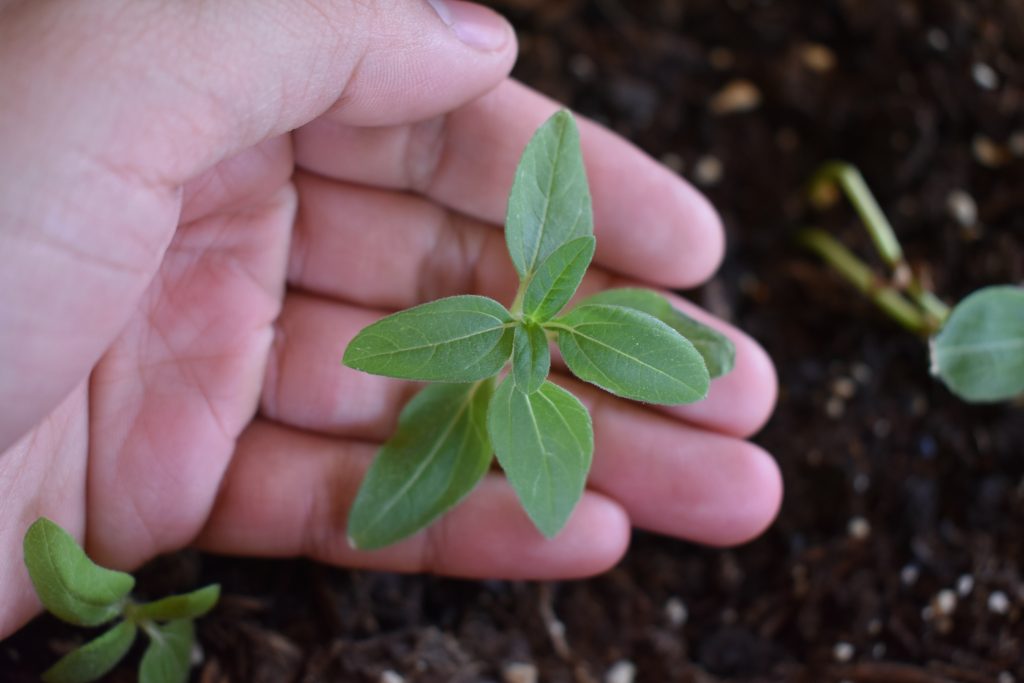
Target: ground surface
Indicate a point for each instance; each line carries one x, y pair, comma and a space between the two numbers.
896, 491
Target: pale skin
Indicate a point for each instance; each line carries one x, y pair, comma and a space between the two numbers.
200, 205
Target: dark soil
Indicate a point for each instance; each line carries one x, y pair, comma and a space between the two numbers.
896, 491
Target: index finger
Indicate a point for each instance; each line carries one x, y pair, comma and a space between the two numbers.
650, 224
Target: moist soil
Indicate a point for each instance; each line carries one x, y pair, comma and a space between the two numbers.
898, 553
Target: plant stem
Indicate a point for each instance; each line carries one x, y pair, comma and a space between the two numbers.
517, 303
857, 273
857, 191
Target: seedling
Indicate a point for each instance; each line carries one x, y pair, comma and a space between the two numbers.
76, 590
630, 342
977, 348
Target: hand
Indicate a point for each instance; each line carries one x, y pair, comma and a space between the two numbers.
201, 203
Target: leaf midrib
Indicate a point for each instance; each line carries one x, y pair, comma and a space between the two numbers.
962, 349
574, 331
420, 347
418, 472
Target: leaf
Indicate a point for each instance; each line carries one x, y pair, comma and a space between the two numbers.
549, 204
458, 339
545, 442
68, 583
185, 606
715, 348
531, 357
631, 354
94, 659
438, 454
557, 278
979, 353
168, 657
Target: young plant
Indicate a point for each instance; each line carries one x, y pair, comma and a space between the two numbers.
977, 348
630, 342
76, 590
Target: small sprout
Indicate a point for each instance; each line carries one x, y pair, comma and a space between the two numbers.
76, 590
631, 342
977, 347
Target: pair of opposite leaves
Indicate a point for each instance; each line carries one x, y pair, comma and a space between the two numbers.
630, 342
76, 590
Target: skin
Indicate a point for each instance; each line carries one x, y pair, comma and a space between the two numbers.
200, 205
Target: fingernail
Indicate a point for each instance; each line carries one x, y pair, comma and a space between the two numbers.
476, 26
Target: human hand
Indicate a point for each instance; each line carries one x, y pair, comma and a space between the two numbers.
183, 274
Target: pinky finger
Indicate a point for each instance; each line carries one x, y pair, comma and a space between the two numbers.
287, 493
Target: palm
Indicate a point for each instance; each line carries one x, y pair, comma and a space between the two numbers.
221, 413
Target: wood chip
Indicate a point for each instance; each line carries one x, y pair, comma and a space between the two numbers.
738, 96
817, 57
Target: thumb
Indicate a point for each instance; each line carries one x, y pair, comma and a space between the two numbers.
111, 106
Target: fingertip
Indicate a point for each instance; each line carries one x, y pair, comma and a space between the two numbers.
705, 248
597, 536
743, 400
507, 545
752, 502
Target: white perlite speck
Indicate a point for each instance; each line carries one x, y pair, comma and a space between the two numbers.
390, 676
843, 652
985, 76
909, 574
708, 171
998, 603
622, 671
964, 585
945, 602
962, 208
676, 612
858, 528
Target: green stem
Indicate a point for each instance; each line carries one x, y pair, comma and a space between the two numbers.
857, 191
517, 303
857, 273
859, 194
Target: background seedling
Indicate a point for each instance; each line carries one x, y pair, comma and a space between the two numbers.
76, 590
977, 348
630, 342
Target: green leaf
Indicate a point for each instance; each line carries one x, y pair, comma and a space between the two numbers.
545, 443
68, 583
94, 659
168, 657
458, 339
631, 354
979, 353
185, 606
715, 348
550, 202
531, 357
557, 278
438, 454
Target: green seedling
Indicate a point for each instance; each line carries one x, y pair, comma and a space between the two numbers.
630, 342
977, 347
76, 590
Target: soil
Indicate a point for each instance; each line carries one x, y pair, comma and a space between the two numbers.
899, 552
